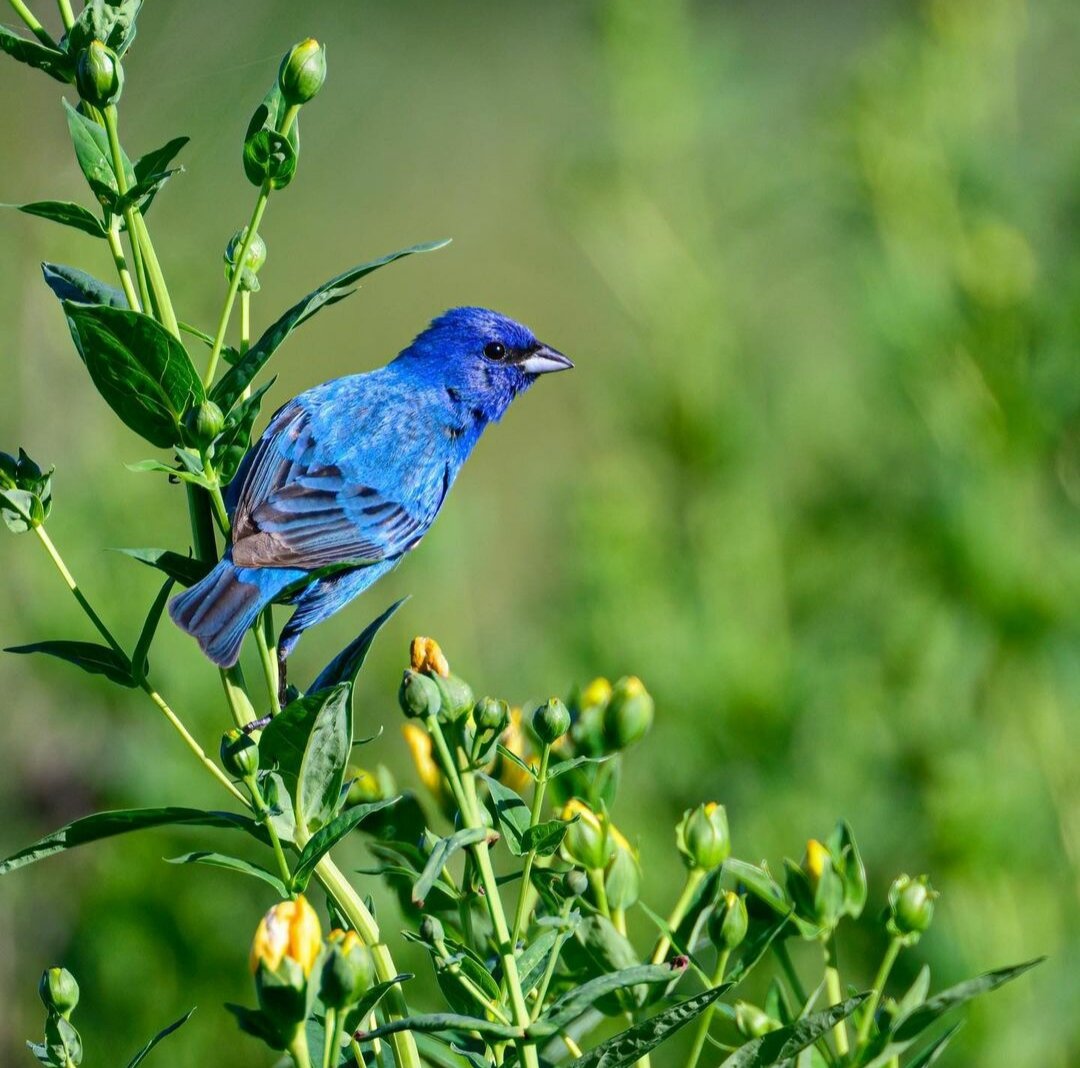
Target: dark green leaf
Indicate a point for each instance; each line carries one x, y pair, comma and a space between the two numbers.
782, 1045
443, 850
474, 1059
367, 1004
163, 1033
534, 959
755, 947
631, 1045
139, 662
433, 1023
235, 439
56, 64
257, 1024
156, 165
223, 860
141, 370
96, 659
64, 212
327, 837
71, 284
142, 193
512, 813
347, 664
183, 569
268, 156
237, 378
573, 1003
92, 151
596, 949
545, 838
509, 754
463, 962
936, 1048
109, 824
760, 883
111, 21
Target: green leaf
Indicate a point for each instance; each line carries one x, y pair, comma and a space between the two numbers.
109, 824
21, 510
142, 193
163, 1033
573, 1003
234, 440
435, 1022
509, 754
533, 959
139, 662
153, 169
237, 378
783, 1044
223, 860
142, 371
564, 766
142, 467
760, 883
443, 850
597, 949
71, 284
466, 963
185, 570
631, 1045
512, 813
367, 1004
327, 837
936, 1048
64, 212
545, 838
347, 664
256, 1023
91, 657
755, 947
56, 64
268, 155
110, 21
95, 160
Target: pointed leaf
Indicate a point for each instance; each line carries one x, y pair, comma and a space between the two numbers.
512, 813
109, 824
367, 1004
533, 960
347, 664
95, 159
573, 1003
163, 1033
234, 440
223, 860
434, 1022
545, 838
569, 764
323, 840
936, 1048
237, 378
71, 284
183, 569
139, 662
444, 849
96, 659
54, 63
64, 212
509, 754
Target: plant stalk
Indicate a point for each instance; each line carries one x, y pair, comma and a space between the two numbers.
530, 857
693, 881
33, 25
870, 1008
117, 250
705, 1022
834, 992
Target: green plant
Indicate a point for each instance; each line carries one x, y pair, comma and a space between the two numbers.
524, 979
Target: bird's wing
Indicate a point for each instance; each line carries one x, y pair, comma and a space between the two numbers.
296, 508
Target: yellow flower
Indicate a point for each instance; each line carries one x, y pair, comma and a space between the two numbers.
426, 656
817, 857
596, 693
291, 929
421, 747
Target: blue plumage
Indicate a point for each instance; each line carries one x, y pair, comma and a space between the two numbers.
349, 476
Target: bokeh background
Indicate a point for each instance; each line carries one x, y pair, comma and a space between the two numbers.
815, 478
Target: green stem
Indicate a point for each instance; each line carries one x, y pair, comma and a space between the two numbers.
705, 1021
67, 16
262, 810
32, 23
834, 992
596, 881
331, 1025
870, 1008
298, 1049
782, 955
530, 857
454, 968
269, 664
117, 250
158, 288
553, 961
693, 880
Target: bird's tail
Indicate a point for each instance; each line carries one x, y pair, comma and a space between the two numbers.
220, 609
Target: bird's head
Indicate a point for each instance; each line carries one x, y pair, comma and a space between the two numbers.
481, 358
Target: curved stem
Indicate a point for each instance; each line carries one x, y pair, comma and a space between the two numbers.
870, 1008
705, 1021
117, 250
693, 880
263, 812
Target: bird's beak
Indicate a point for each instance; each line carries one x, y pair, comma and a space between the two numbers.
544, 360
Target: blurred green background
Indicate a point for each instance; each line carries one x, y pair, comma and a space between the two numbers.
815, 478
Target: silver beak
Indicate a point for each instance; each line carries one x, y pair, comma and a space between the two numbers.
544, 360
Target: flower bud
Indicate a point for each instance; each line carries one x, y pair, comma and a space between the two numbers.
431, 930
911, 906
575, 883
426, 656
491, 716
418, 695
817, 888
597, 693
366, 786
421, 748
629, 713
752, 1021
239, 753
203, 423
622, 879
99, 75
348, 971
290, 931
58, 991
457, 698
702, 836
586, 842
256, 253
303, 71
551, 721
728, 922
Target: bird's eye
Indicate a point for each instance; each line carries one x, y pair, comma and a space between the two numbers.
495, 350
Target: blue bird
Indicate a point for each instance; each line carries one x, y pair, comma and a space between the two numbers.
349, 476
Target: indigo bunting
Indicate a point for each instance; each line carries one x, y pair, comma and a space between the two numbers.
349, 476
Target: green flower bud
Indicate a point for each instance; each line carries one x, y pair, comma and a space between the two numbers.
702, 836
911, 906
99, 75
752, 1022
203, 423
585, 842
418, 696
303, 71
491, 716
622, 879
256, 253
816, 888
728, 922
239, 753
431, 930
575, 883
551, 721
58, 991
628, 714
348, 971
457, 698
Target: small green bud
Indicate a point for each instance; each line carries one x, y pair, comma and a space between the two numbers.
239, 753
628, 714
702, 836
575, 883
622, 879
431, 930
752, 1021
457, 698
256, 253
551, 721
99, 75
911, 906
418, 696
367, 786
303, 71
585, 842
728, 922
203, 423
491, 716
58, 991
348, 971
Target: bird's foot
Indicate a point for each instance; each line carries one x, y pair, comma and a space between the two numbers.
283, 679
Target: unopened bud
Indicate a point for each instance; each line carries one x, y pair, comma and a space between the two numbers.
348, 971
491, 716
585, 842
58, 991
431, 930
290, 931
622, 879
575, 883
418, 696
551, 721
629, 713
426, 655
728, 922
752, 1021
911, 906
239, 753
457, 698
203, 423
303, 71
702, 836
99, 75
252, 262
